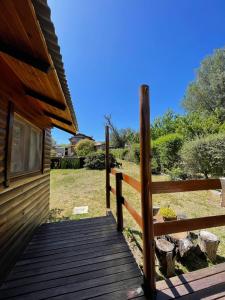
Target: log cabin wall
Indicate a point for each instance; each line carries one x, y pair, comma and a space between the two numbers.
25, 203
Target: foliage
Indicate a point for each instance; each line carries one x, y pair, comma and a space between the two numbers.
119, 138
207, 92
70, 163
166, 149
134, 154
167, 212
85, 147
178, 173
120, 153
96, 161
205, 155
197, 124
190, 126
164, 125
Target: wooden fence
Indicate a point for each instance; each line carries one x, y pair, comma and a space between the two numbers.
147, 188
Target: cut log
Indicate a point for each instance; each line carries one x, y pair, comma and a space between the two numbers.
208, 243
165, 252
182, 242
185, 246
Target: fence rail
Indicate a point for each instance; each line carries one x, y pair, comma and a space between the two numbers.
162, 228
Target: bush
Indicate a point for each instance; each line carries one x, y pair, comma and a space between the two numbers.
120, 153
166, 149
84, 147
205, 155
96, 161
134, 154
70, 163
178, 173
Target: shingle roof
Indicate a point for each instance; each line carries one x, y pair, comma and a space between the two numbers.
43, 14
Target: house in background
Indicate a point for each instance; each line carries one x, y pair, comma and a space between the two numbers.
34, 97
100, 146
78, 137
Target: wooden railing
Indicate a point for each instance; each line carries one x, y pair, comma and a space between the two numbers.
147, 188
170, 187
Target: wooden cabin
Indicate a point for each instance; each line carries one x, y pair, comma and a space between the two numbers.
34, 97
89, 258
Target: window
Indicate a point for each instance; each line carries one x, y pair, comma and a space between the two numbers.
26, 147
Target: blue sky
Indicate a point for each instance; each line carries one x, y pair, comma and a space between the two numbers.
110, 47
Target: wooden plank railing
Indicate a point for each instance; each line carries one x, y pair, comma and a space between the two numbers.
159, 187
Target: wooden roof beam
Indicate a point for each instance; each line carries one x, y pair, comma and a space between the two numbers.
58, 118
24, 57
37, 96
64, 129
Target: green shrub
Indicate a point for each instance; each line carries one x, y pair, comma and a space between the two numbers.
96, 161
178, 173
70, 163
120, 153
84, 147
205, 155
134, 153
166, 149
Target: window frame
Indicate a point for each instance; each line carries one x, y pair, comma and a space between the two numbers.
25, 173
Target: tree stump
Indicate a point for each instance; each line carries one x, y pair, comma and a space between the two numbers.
165, 252
185, 246
208, 243
182, 242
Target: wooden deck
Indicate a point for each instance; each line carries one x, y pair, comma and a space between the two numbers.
75, 260
89, 259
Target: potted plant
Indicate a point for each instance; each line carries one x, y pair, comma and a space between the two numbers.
168, 214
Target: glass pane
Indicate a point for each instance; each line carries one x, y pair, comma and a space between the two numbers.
18, 147
26, 147
35, 150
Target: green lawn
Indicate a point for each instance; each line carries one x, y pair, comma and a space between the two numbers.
70, 188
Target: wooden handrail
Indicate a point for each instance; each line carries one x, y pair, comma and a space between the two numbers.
185, 186
160, 187
188, 224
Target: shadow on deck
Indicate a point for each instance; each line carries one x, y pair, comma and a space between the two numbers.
89, 259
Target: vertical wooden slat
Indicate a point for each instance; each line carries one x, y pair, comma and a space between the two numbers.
107, 167
9, 143
146, 196
119, 204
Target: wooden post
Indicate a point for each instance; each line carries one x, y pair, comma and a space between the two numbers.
107, 168
119, 200
146, 196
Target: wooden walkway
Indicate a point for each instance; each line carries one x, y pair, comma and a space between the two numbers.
89, 259
75, 260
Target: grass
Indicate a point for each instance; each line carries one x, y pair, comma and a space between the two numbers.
70, 188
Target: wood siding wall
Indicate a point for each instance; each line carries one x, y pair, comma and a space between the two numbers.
24, 204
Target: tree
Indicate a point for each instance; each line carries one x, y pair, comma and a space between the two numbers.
207, 92
121, 137
85, 147
197, 124
165, 125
